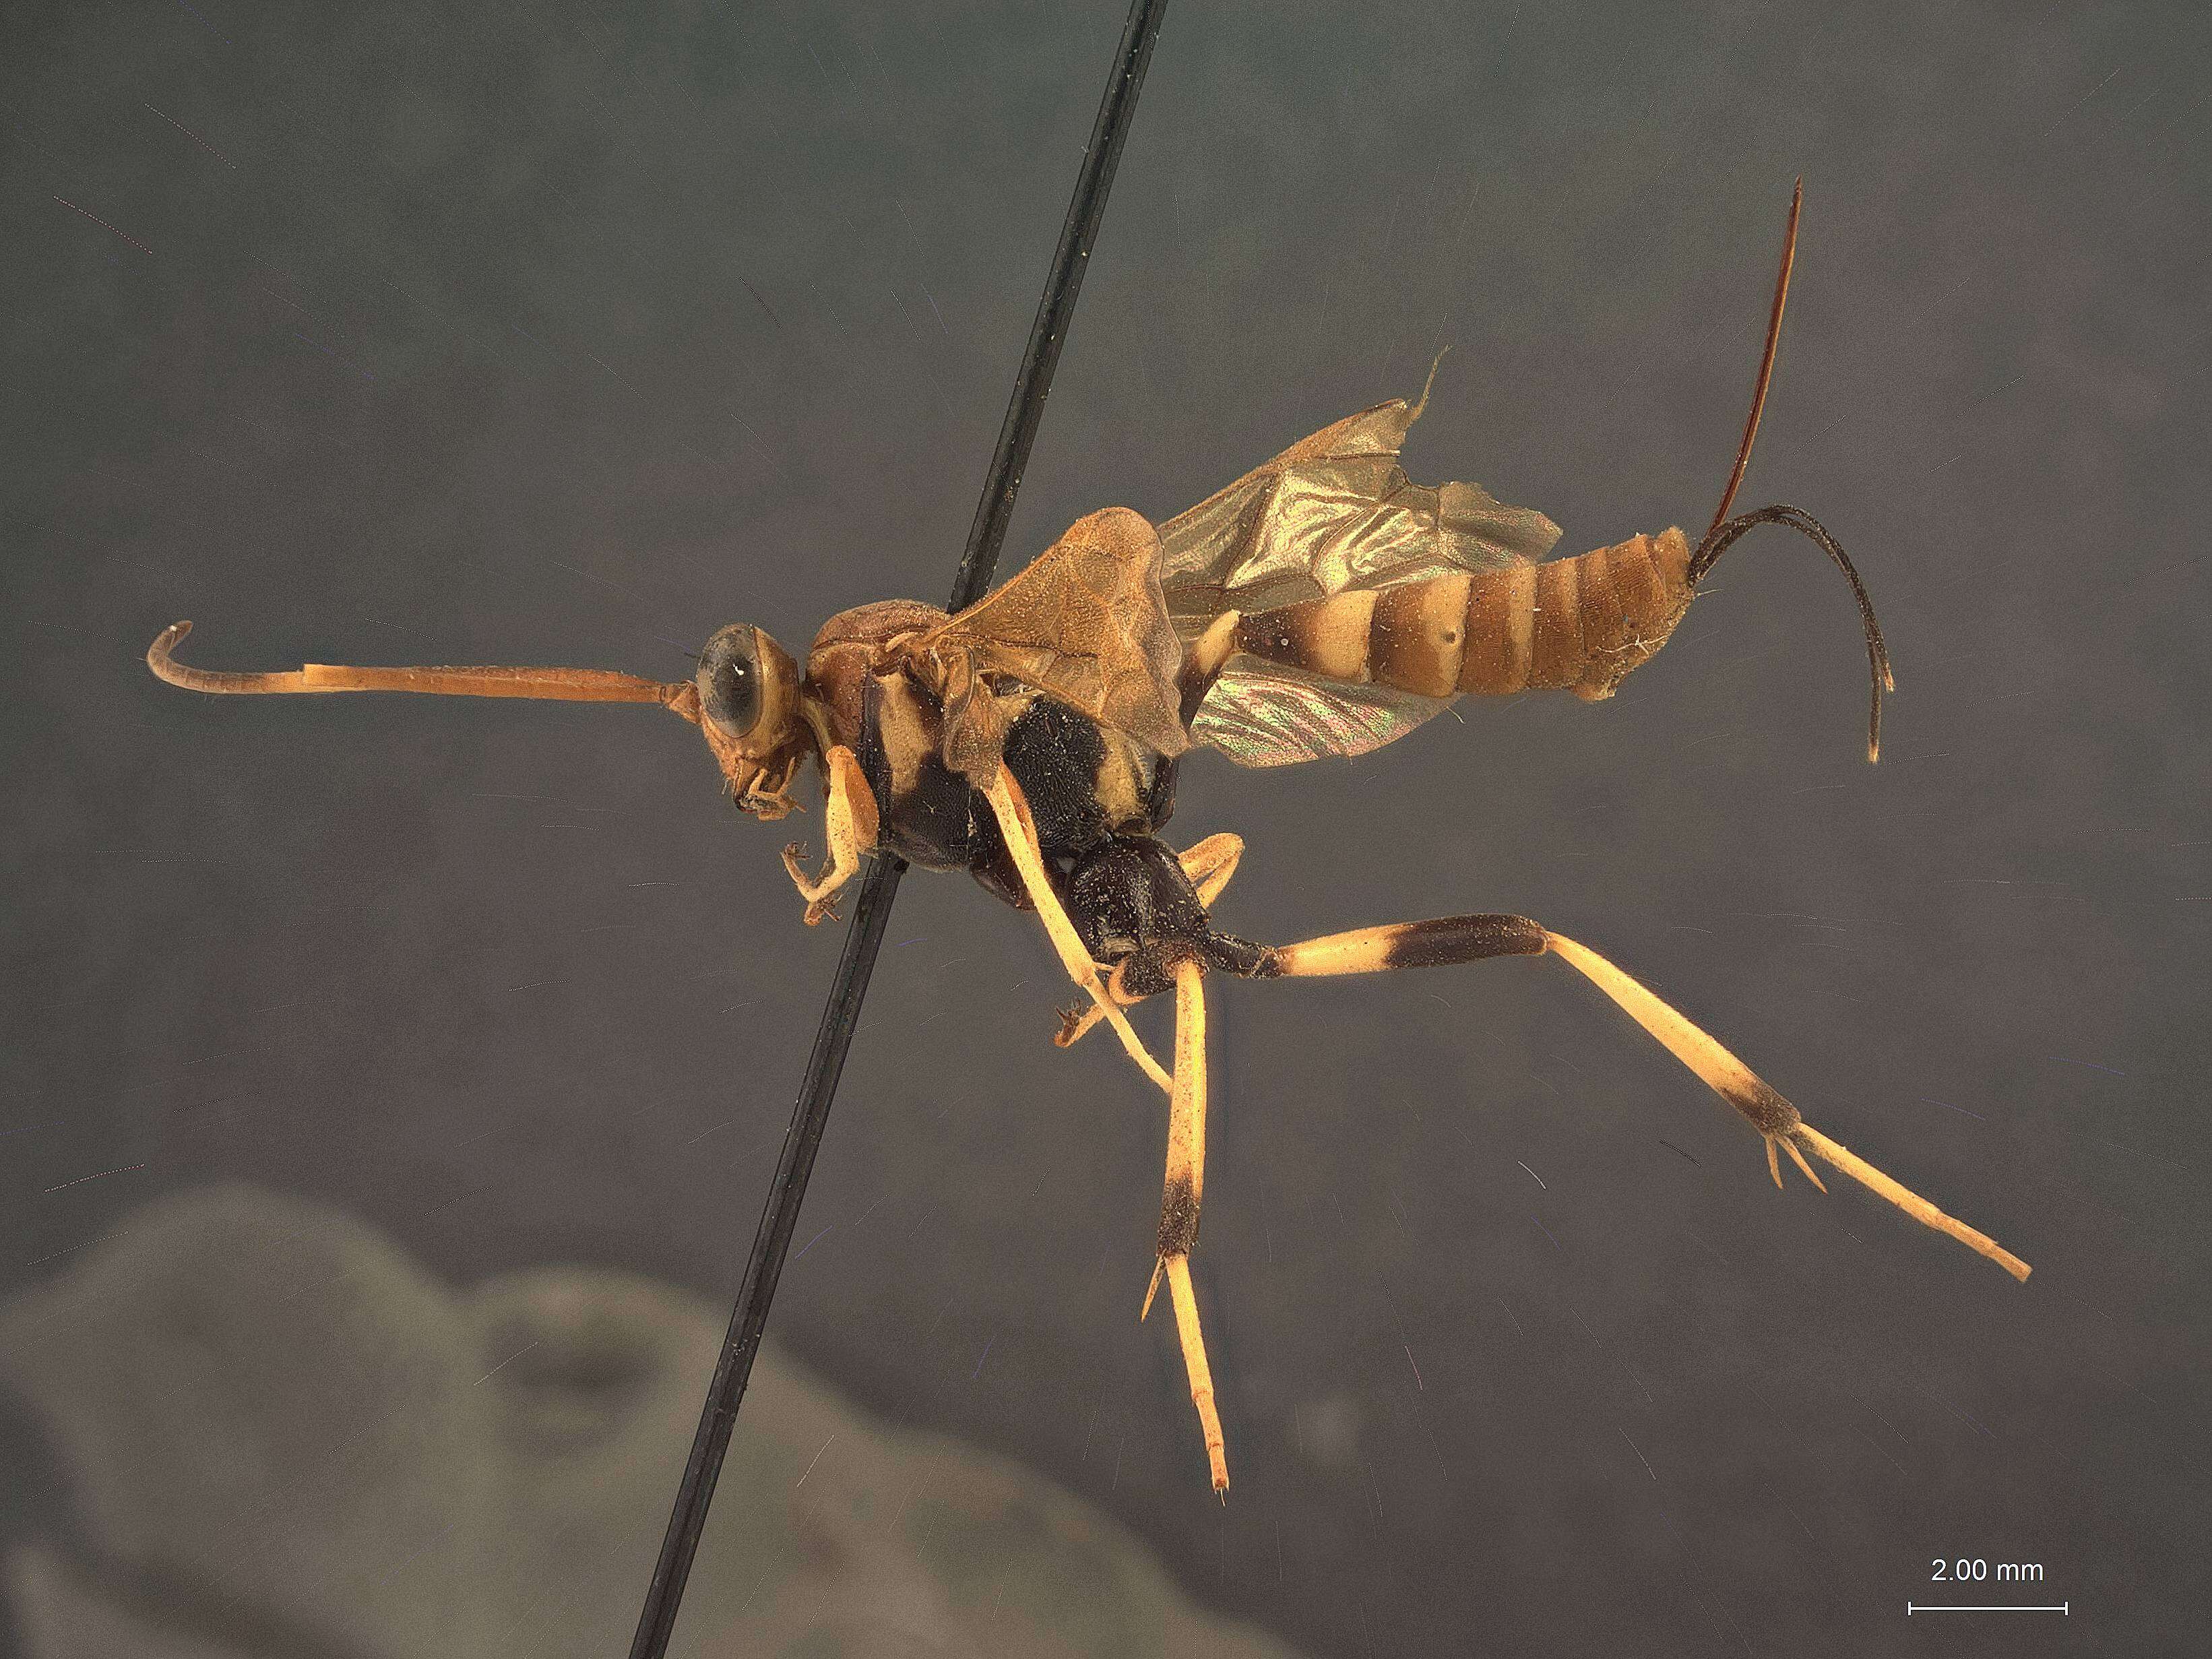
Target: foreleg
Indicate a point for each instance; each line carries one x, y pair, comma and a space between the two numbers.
850, 822
1473, 938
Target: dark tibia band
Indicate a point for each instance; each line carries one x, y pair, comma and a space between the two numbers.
1443, 943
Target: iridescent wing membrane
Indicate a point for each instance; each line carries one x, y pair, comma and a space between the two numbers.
1104, 619
1334, 514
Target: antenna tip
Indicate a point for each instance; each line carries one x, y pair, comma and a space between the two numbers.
165, 642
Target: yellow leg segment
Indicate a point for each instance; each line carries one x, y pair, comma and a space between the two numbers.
1179, 1202
1209, 863
1770, 1114
1452, 939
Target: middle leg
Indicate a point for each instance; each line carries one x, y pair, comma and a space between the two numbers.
1179, 1201
1018, 827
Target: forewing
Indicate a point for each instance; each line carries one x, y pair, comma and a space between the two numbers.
1263, 713
1332, 513
1086, 623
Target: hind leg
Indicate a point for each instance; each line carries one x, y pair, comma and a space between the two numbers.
1452, 939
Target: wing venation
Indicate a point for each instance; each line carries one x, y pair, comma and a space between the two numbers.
1263, 713
1085, 623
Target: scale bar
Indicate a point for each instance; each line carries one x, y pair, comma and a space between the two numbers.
1911, 1608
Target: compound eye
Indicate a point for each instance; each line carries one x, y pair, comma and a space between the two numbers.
730, 680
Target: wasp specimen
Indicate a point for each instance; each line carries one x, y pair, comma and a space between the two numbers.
1322, 605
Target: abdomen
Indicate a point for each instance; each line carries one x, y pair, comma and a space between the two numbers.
1577, 624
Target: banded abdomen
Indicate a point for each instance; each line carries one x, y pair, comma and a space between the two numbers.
1579, 624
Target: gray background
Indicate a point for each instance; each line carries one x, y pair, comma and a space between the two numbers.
566, 333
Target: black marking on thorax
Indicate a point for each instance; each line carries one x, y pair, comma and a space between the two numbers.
927, 814
1082, 785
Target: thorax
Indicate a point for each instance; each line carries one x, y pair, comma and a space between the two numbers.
1083, 782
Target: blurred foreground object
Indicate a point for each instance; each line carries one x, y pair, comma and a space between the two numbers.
498, 1475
